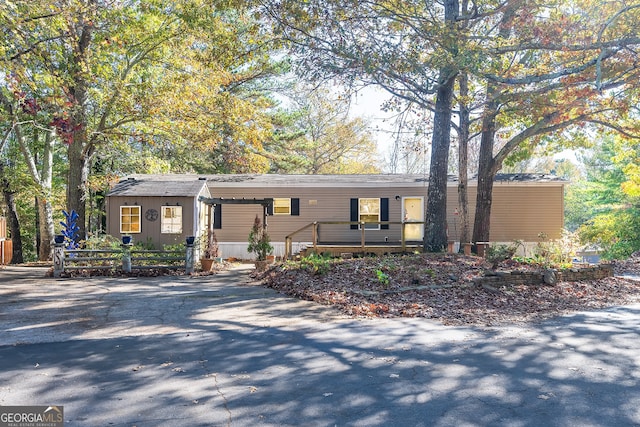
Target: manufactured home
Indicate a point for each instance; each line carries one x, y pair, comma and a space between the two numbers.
157, 211
381, 209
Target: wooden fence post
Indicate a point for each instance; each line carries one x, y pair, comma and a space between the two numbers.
58, 256
126, 257
188, 264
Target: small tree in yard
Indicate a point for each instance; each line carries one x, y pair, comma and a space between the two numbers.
210, 250
210, 246
259, 241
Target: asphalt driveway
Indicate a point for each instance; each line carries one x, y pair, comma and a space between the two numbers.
222, 351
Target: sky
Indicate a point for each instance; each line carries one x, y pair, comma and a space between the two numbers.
367, 103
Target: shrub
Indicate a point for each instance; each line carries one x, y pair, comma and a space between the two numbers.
383, 278
499, 253
617, 233
316, 264
209, 245
102, 241
556, 253
259, 241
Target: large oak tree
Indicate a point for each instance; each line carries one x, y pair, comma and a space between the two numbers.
572, 67
544, 68
130, 74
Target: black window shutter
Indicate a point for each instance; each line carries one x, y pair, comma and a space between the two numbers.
270, 209
217, 217
295, 207
384, 213
354, 213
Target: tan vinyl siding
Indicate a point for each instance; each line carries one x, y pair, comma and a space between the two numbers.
453, 220
316, 204
526, 211
150, 230
519, 211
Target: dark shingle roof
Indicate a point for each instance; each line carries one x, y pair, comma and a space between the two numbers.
528, 177
281, 180
154, 187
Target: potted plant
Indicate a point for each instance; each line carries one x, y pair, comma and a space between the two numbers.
259, 244
210, 250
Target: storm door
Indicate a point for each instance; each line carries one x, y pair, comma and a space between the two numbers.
413, 210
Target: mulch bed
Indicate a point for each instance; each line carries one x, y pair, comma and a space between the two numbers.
440, 287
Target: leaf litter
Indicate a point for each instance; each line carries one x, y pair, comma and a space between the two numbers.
441, 287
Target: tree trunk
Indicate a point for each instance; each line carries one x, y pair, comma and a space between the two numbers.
435, 237
77, 179
79, 155
45, 210
486, 173
482, 221
43, 178
487, 165
45, 213
80, 147
14, 223
36, 203
463, 160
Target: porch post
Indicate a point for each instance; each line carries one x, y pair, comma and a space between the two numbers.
404, 244
265, 210
288, 247
314, 236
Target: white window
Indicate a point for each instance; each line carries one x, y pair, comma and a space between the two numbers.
129, 219
368, 212
171, 220
282, 206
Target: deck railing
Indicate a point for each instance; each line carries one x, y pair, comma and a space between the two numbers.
125, 259
314, 226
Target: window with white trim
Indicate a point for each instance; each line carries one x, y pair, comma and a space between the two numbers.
282, 206
368, 212
171, 220
130, 219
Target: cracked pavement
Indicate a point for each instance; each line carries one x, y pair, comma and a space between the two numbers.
223, 351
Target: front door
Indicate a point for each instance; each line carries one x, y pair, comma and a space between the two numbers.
413, 210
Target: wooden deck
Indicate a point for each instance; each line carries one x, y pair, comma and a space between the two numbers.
352, 248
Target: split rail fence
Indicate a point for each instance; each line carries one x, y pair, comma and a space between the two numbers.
125, 259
